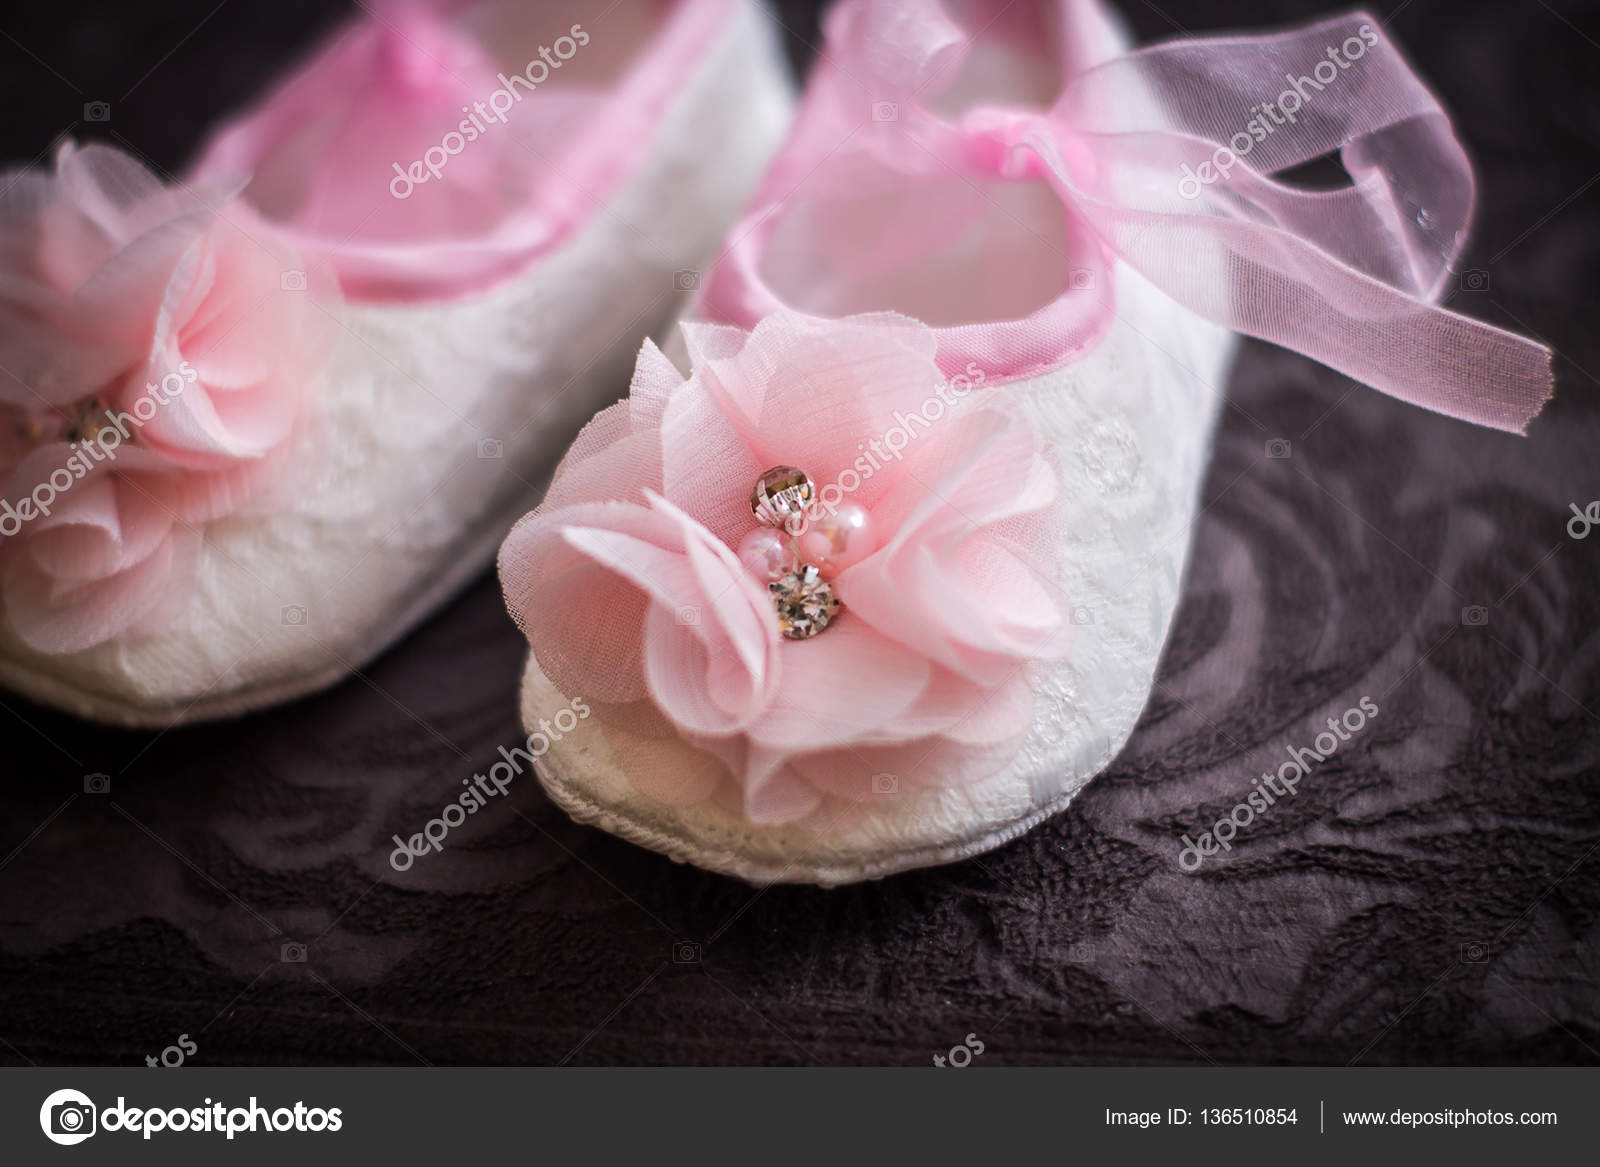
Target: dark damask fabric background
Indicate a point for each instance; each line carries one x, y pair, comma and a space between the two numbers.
1430, 895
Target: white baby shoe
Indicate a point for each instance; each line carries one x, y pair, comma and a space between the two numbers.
293, 405
879, 573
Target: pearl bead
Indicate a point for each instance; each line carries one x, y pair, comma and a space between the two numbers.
766, 554
840, 540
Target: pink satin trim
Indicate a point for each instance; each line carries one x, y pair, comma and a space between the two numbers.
391, 83
1350, 277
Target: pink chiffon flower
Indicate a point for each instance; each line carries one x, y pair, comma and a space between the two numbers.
155, 348
630, 586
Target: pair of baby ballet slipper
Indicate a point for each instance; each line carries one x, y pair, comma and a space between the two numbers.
873, 566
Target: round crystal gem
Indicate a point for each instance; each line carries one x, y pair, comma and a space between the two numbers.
805, 602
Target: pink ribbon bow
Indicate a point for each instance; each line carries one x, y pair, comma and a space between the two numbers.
1169, 159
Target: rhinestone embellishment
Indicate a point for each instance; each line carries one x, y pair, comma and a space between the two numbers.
780, 497
86, 423
801, 596
805, 602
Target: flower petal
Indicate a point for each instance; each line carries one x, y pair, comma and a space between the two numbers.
841, 687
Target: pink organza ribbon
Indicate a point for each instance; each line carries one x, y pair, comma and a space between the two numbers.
1168, 160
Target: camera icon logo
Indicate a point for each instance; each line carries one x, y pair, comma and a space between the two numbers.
885, 111
491, 448
1474, 615
293, 616
1278, 448
1080, 279
97, 111
688, 614
1081, 952
292, 281
885, 784
97, 783
685, 952
1082, 614
292, 952
1474, 280
685, 279
67, 1117
1474, 952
